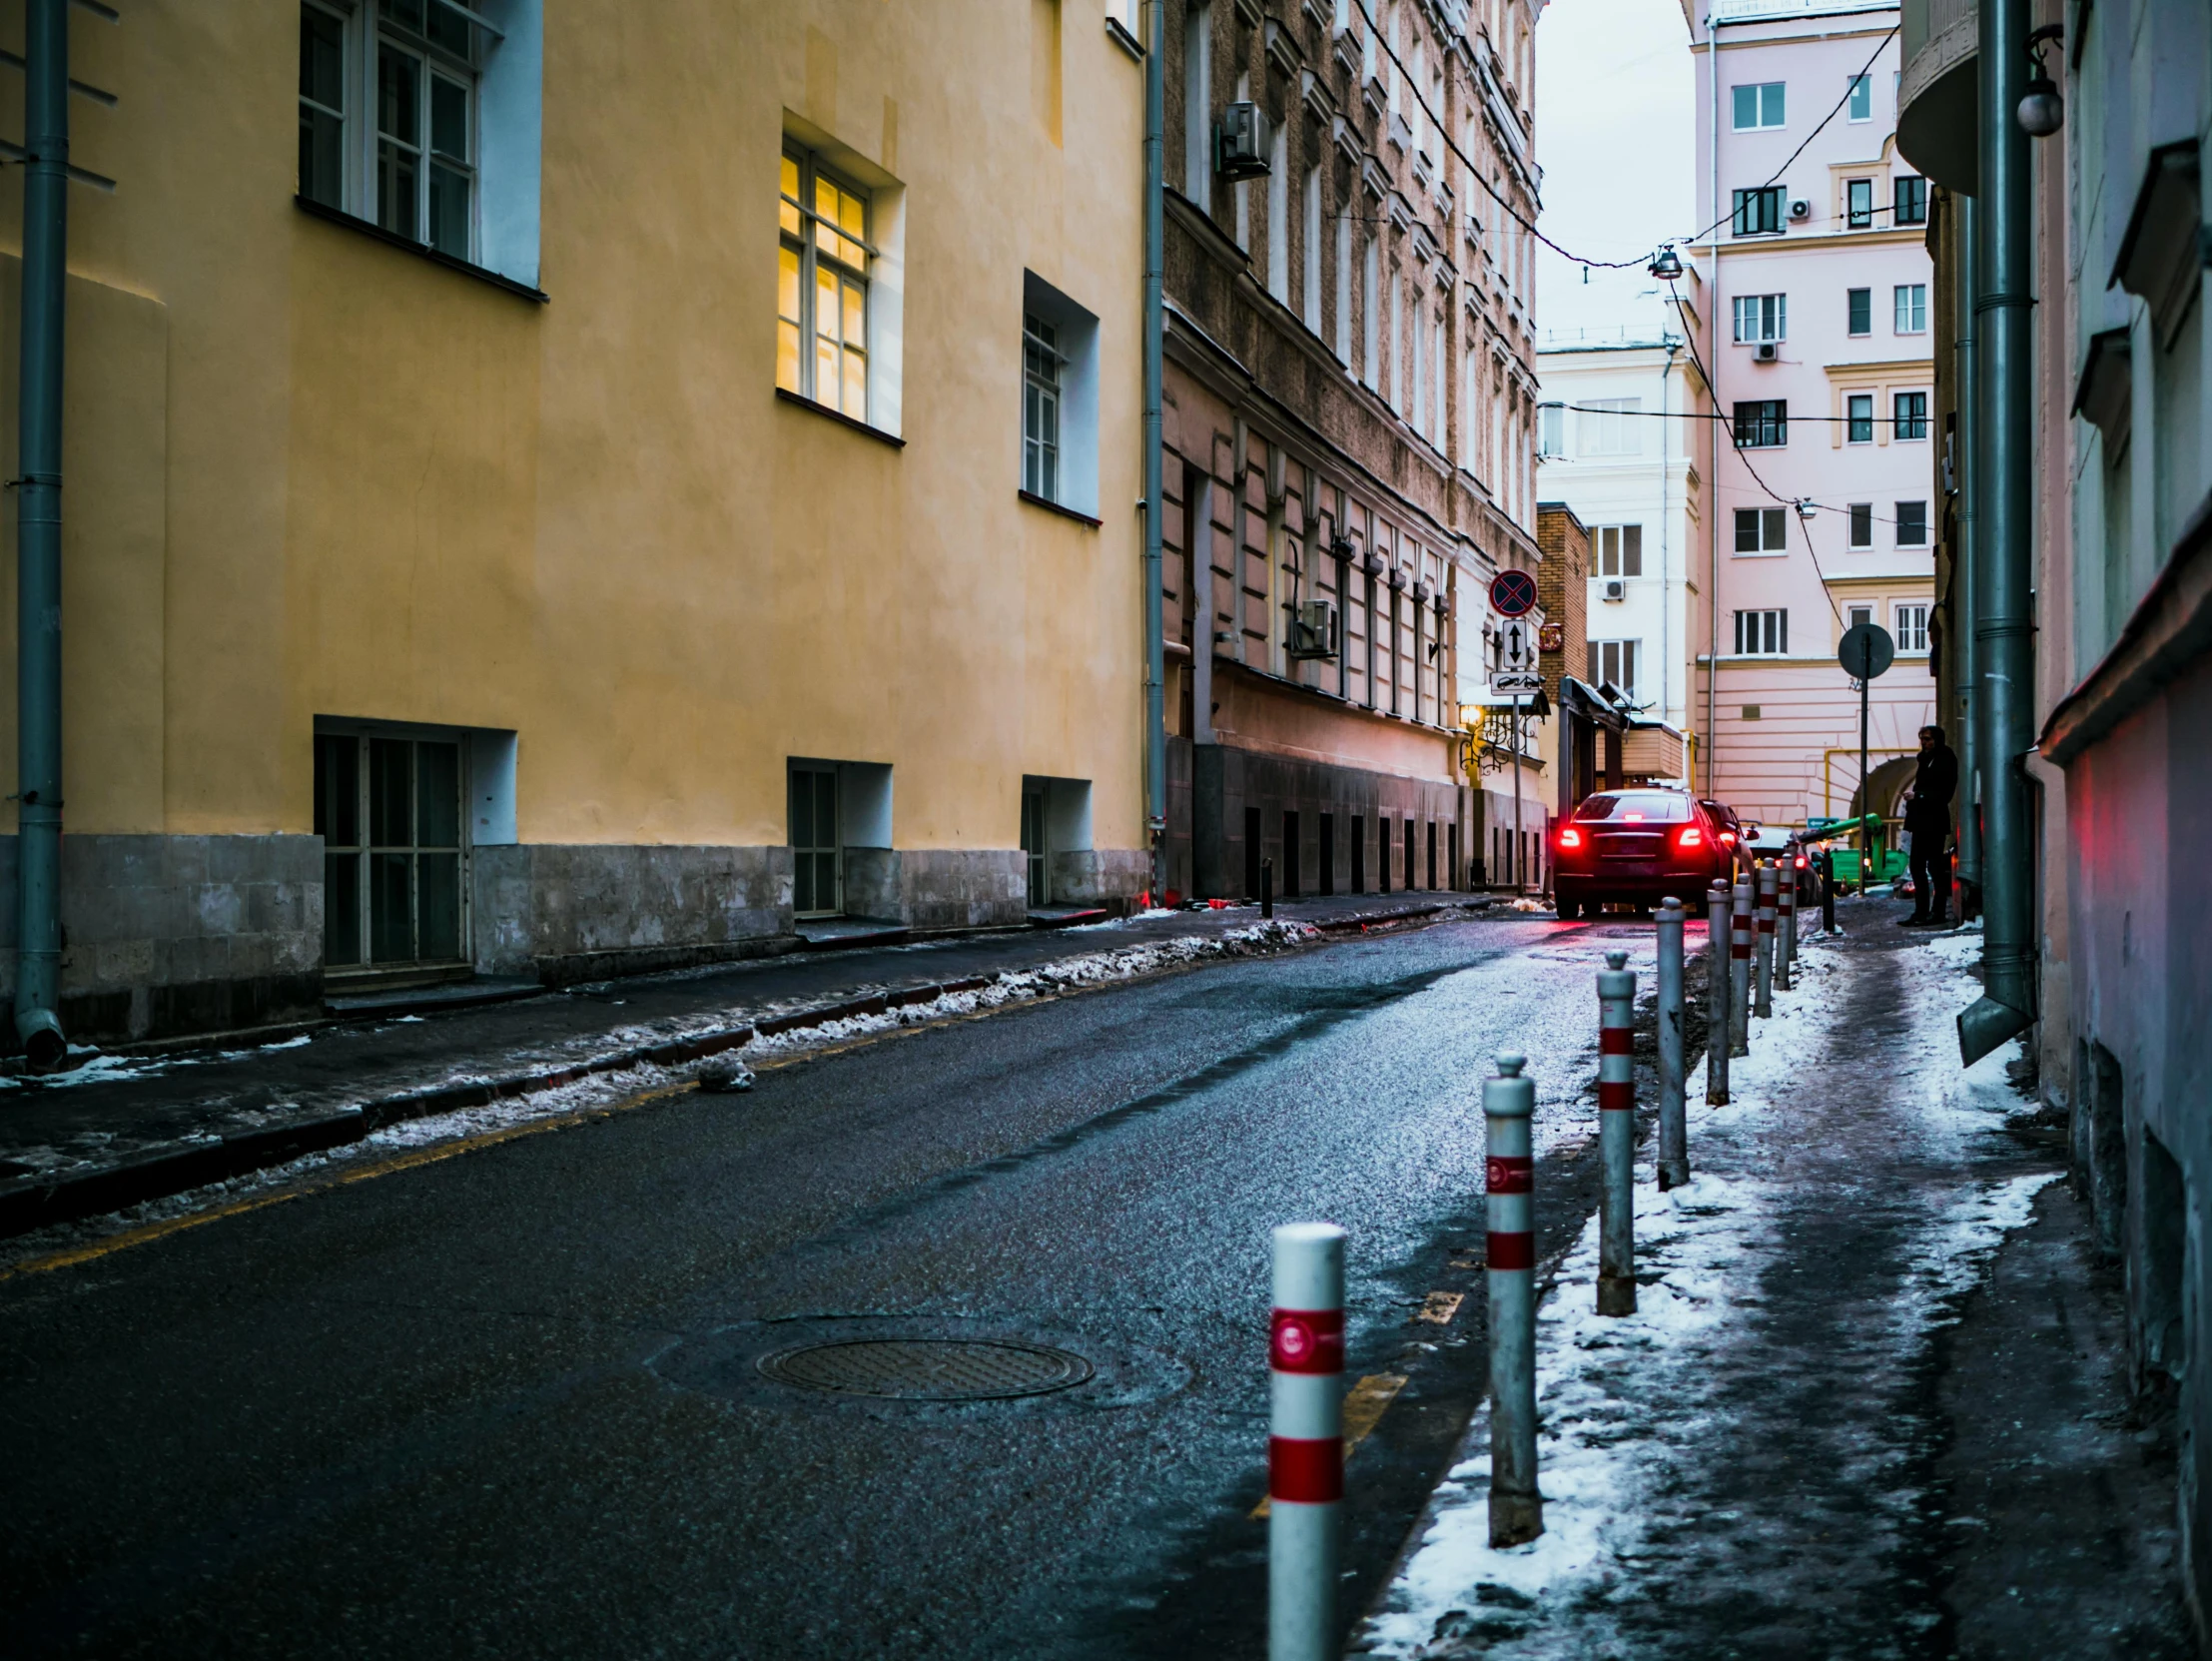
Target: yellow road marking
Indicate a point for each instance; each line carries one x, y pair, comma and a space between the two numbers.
1439, 1308
1364, 1404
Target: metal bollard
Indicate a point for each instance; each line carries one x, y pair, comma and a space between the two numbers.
1740, 968
1674, 1133
1786, 919
1716, 995
1305, 1443
1267, 888
1508, 1101
1763, 978
1617, 1137
1827, 892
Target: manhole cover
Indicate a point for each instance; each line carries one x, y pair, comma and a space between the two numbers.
928, 1369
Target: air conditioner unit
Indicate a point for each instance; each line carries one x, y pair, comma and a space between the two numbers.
1616, 589
1314, 631
1241, 142
1766, 351
1799, 207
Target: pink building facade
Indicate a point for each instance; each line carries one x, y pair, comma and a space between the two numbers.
1815, 335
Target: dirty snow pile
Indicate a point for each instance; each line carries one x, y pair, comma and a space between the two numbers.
1636, 1413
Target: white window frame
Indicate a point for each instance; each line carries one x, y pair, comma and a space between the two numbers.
1854, 514
1857, 616
1615, 547
1861, 104
1040, 367
1770, 532
1767, 634
1551, 430
1856, 334
1908, 307
1854, 421
368, 35
1899, 507
800, 230
1311, 264
1910, 633
1609, 426
1760, 111
1623, 656
1761, 318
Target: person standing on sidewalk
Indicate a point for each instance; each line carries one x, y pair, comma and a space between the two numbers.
1928, 819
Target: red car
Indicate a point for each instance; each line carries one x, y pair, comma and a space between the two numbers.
1636, 847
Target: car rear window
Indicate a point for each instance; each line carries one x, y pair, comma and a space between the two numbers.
1654, 806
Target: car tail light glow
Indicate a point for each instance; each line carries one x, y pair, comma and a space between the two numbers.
1802, 862
1728, 838
1568, 837
1636, 817
1691, 837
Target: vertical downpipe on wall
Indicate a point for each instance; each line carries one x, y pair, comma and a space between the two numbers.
38, 487
1156, 237
2003, 630
1714, 429
1962, 570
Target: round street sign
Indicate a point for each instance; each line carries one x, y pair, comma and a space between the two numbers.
1867, 650
1513, 593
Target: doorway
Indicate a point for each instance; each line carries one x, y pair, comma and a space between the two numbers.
817, 863
388, 810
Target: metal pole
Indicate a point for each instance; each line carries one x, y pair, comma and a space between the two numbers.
1763, 983
1305, 1441
38, 616
1962, 572
1518, 862
1155, 324
1674, 1133
1740, 968
2003, 628
1718, 1049
1827, 892
1617, 1137
1508, 1101
1866, 803
1713, 431
1267, 888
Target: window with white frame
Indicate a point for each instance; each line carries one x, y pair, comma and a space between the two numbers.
1757, 107
1609, 426
1862, 100
1420, 409
1762, 317
1619, 549
1763, 633
1438, 403
1858, 303
822, 288
1858, 418
1344, 287
1551, 430
400, 101
1614, 662
1060, 399
1309, 275
1911, 629
1761, 530
1857, 616
1909, 411
1278, 213
1911, 524
1040, 408
1197, 104
1862, 525
1859, 203
1911, 308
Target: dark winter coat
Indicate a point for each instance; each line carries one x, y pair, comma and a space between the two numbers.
1935, 782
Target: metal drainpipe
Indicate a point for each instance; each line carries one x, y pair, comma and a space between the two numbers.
1962, 575
2003, 629
1713, 429
1666, 563
1156, 322
39, 534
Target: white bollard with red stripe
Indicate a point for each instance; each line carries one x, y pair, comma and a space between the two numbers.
1305, 1443
1509, 1104
1740, 968
1617, 1137
1786, 919
1764, 969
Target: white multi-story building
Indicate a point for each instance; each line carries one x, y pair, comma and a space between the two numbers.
1615, 446
1824, 510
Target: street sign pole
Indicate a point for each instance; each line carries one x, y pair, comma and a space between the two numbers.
1513, 596
1518, 865
1865, 653
1866, 806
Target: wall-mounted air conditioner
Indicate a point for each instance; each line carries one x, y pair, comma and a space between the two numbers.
1314, 631
1241, 142
1766, 351
1616, 589
1799, 207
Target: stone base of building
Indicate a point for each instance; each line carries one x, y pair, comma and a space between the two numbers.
170, 936
1322, 826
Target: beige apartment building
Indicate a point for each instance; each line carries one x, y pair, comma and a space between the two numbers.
564, 490
1348, 430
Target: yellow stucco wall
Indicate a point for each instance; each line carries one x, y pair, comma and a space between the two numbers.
310, 475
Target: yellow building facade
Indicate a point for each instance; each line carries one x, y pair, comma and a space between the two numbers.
568, 489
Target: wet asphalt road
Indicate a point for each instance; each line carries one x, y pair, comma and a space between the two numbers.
509, 1403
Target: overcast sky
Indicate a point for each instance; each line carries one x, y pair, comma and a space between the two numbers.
1615, 139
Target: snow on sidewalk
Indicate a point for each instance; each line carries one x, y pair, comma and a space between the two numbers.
1636, 1412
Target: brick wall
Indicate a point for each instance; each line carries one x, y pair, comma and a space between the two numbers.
1562, 589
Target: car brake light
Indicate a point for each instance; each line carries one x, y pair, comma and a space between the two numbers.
1692, 837
1636, 817
1728, 837
1802, 862
1568, 837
